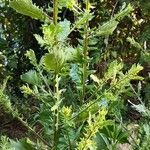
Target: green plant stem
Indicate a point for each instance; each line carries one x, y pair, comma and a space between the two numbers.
55, 131
85, 51
56, 114
55, 19
136, 94
33, 132
56, 89
97, 99
55, 11
45, 81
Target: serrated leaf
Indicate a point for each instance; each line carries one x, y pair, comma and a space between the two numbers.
74, 74
132, 74
69, 53
124, 12
66, 3
134, 43
26, 7
52, 62
31, 55
5, 105
113, 69
53, 33
140, 108
5, 143
107, 28
31, 77
39, 39
50, 32
86, 16
64, 30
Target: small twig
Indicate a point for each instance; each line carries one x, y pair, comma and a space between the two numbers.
32, 130
136, 93
46, 83
113, 11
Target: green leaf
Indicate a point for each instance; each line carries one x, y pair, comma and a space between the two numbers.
94, 124
114, 68
74, 74
66, 3
146, 128
101, 141
31, 77
53, 62
64, 30
5, 104
23, 145
93, 108
5, 143
39, 39
31, 55
134, 43
69, 53
50, 32
145, 56
124, 12
53, 33
133, 72
124, 79
26, 7
95, 78
86, 16
107, 28
140, 108
111, 133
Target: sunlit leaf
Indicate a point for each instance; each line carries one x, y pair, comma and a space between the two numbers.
124, 12
31, 55
52, 62
134, 43
107, 28
26, 7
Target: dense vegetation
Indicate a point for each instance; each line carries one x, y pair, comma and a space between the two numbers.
74, 75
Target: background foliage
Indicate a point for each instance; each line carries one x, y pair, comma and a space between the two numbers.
125, 39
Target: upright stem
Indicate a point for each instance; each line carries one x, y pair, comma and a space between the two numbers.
85, 51
56, 89
56, 113
55, 11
